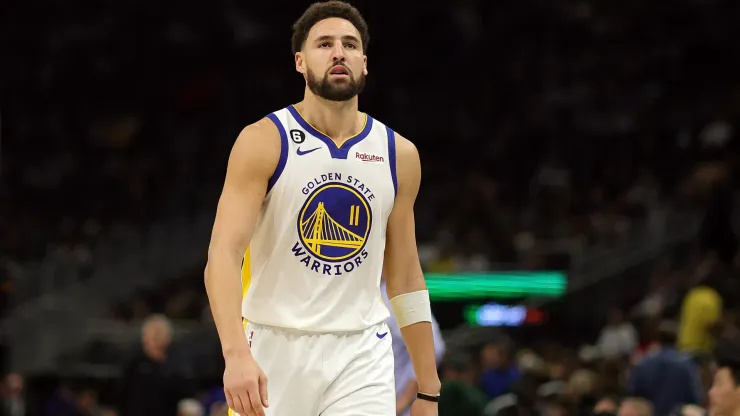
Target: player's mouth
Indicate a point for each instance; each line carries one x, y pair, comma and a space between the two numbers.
338, 71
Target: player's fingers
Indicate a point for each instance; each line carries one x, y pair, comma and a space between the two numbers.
247, 404
263, 389
255, 402
230, 400
241, 401
236, 404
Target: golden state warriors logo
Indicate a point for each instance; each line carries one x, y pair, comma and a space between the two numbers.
334, 225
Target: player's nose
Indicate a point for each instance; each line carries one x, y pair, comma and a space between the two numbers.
337, 54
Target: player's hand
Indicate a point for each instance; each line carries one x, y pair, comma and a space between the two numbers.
245, 385
424, 408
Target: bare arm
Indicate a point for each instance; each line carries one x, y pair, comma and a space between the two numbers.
406, 398
402, 268
253, 160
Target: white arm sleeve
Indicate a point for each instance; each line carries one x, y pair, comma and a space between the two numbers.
411, 308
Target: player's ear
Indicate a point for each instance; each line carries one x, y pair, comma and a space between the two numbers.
300, 63
364, 64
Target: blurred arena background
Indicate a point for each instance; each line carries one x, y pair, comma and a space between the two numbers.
579, 184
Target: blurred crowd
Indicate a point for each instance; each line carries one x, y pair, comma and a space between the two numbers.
659, 355
584, 126
593, 120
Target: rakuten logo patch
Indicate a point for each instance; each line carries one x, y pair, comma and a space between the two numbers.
368, 157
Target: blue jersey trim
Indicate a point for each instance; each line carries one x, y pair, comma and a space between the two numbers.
336, 152
392, 157
283, 152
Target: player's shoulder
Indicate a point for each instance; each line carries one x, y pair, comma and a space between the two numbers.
263, 132
404, 148
408, 164
258, 143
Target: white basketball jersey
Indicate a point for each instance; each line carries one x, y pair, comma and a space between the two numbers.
316, 256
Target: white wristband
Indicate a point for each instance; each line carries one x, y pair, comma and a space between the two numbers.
411, 308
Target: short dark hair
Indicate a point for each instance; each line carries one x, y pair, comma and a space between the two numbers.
458, 361
667, 333
727, 355
326, 10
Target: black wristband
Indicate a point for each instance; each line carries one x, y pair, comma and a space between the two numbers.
427, 397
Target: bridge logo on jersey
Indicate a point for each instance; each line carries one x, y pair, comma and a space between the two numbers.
334, 225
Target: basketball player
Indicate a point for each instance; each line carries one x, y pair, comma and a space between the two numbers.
320, 198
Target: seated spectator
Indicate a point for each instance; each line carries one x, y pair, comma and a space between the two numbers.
190, 407
701, 313
499, 371
606, 406
666, 377
461, 397
724, 396
633, 406
618, 338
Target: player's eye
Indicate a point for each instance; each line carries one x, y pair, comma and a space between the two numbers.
350, 46
324, 45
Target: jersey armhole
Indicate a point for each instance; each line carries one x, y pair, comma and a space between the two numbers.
283, 152
392, 157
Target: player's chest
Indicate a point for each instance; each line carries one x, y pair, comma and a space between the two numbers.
362, 165
342, 185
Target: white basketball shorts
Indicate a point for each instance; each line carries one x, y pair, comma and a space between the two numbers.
333, 374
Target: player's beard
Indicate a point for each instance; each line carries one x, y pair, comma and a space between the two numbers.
335, 91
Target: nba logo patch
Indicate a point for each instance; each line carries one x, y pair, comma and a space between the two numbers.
249, 339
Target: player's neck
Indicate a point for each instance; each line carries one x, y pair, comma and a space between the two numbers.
338, 120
